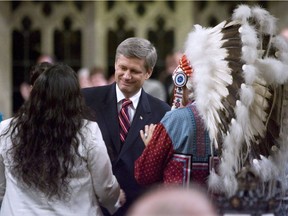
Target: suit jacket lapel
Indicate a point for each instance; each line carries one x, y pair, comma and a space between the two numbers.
110, 115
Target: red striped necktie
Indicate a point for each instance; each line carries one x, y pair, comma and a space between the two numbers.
124, 119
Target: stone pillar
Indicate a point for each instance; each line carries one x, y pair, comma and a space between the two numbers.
94, 35
88, 35
5, 62
100, 40
185, 22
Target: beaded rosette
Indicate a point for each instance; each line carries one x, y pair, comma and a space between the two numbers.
180, 77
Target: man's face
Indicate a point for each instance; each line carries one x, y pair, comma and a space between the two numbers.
130, 74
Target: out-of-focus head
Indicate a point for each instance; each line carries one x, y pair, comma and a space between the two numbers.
45, 58
171, 61
135, 60
35, 72
97, 76
284, 33
173, 201
84, 78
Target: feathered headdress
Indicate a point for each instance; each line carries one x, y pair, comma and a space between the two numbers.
239, 73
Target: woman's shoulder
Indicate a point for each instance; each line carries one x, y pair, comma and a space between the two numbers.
91, 130
90, 126
4, 124
5, 139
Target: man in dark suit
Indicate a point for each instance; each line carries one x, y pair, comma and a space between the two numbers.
134, 63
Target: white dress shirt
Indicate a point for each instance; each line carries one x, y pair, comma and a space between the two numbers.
134, 99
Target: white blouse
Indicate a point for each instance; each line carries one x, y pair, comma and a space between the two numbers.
94, 184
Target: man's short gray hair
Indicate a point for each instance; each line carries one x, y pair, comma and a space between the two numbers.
138, 48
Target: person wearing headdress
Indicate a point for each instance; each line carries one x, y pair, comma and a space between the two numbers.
239, 80
179, 142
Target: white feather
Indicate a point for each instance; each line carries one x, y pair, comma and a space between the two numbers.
243, 118
268, 169
249, 54
257, 124
230, 185
224, 76
266, 21
281, 44
215, 182
273, 71
247, 94
225, 165
248, 36
262, 91
241, 13
237, 134
250, 73
259, 113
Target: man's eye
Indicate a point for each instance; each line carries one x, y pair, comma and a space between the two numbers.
136, 72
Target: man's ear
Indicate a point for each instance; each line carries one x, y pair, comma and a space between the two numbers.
148, 73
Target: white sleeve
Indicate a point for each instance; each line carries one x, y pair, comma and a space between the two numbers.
2, 178
2, 167
104, 182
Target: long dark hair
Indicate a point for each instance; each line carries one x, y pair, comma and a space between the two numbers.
37, 69
45, 132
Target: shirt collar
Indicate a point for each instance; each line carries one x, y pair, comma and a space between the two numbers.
134, 99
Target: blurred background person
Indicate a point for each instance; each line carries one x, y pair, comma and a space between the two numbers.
111, 79
44, 171
97, 76
84, 78
155, 88
46, 58
25, 87
91, 77
284, 33
165, 77
35, 71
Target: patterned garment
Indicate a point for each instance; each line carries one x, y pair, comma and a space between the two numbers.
179, 151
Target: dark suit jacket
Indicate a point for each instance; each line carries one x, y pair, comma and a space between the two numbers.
150, 110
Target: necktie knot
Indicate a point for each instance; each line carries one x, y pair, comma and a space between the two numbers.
126, 103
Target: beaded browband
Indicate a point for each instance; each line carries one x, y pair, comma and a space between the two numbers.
180, 77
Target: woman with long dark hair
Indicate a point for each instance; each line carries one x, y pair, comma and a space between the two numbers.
52, 161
